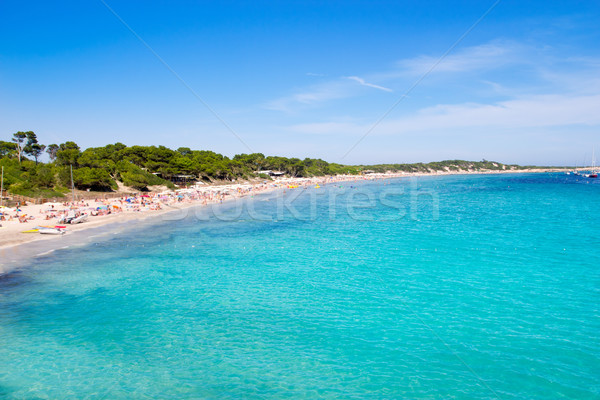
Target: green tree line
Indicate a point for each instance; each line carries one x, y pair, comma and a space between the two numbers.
138, 167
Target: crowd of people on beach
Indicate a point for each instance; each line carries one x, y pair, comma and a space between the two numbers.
201, 194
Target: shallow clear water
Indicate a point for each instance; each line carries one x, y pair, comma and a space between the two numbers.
464, 287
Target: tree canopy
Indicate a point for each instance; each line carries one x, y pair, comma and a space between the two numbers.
139, 167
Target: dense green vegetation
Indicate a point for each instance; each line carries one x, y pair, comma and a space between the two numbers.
447, 165
139, 167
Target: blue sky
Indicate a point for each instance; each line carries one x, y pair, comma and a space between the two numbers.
309, 79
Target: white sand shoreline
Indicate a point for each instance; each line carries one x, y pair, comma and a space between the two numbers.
15, 244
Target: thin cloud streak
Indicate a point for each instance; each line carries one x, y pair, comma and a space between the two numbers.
364, 83
341, 88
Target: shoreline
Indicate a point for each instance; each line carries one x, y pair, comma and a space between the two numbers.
13, 240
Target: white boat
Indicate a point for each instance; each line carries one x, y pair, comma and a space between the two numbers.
67, 218
52, 231
80, 219
73, 218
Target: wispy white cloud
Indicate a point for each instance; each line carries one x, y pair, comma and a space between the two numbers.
528, 112
490, 55
312, 95
340, 88
507, 85
362, 82
483, 57
517, 114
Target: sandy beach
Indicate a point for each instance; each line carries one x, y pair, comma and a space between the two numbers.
19, 225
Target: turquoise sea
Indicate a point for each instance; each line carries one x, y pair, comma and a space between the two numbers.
456, 287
